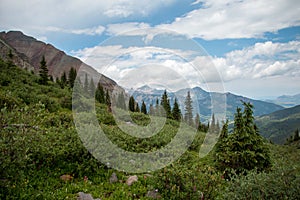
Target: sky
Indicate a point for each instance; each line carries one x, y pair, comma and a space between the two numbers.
246, 47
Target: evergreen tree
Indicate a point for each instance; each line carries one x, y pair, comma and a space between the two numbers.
43, 72
10, 58
166, 104
51, 78
157, 110
63, 80
72, 76
92, 87
86, 84
131, 104
176, 112
188, 115
137, 108
108, 101
296, 135
144, 108
100, 95
244, 149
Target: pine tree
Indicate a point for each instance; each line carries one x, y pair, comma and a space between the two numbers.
71, 77
166, 104
188, 115
244, 149
296, 135
144, 108
63, 80
108, 101
157, 110
86, 84
43, 72
92, 87
100, 95
131, 104
137, 108
176, 112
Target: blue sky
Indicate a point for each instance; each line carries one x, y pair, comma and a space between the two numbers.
245, 47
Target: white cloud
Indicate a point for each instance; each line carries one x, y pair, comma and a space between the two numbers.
130, 66
237, 19
32, 15
261, 60
98, 30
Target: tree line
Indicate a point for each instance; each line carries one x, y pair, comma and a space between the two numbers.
162, 107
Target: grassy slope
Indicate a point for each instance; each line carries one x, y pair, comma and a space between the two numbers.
46, 146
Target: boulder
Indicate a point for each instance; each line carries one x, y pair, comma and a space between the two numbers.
131, 180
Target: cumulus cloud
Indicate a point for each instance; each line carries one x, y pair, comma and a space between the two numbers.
32, 15
219, 19
260, 61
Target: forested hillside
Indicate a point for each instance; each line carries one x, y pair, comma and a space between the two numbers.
280, 125
42, 156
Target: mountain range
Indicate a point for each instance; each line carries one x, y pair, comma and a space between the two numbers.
28, 52
203, 101
286, 100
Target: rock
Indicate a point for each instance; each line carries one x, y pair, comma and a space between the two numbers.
131, 180
113, 178
66, 177
83, 196
153, 194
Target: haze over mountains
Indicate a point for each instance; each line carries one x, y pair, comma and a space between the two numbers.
203, 100
287, 100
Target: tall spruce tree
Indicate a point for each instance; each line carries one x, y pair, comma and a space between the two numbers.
92, 87
100, 94
131, 104
43, 72
188, 115
144, 108
176, 112
296, 135
108, 101
166, 104
86, 84
137, 108
63, 80
71, 77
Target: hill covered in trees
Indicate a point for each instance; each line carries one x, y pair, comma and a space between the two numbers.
43, 157
280, 125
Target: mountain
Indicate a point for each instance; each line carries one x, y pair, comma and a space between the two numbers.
27, 52
279, 125
287, 100
203, 101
